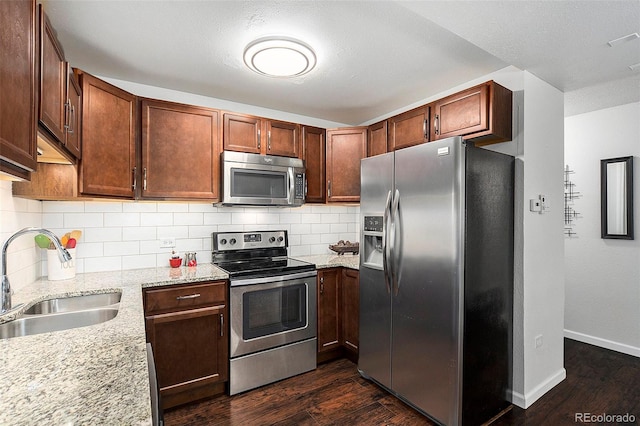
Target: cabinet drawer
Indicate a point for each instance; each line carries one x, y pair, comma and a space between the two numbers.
176, 298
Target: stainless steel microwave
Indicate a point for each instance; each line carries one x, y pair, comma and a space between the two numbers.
262, 180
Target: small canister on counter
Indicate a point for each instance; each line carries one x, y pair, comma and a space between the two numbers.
190, 259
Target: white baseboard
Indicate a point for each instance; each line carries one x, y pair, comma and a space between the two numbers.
525, 401
603, 343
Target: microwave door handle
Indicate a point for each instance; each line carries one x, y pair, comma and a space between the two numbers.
292, 186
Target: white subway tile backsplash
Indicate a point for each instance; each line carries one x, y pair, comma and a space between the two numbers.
156, 219
94, 235
139, 207
122, 248
303, 228
83, 220
126, 235
217, 218
102, 207
63, 207
52, 220
173, 208
188, 218
122, 219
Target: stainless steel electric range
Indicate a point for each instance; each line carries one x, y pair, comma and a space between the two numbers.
272, 308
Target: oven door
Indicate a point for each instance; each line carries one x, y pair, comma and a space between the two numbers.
271, 312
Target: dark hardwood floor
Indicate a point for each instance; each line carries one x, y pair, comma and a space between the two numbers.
598, 381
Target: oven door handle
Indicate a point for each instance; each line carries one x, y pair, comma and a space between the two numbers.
274, 279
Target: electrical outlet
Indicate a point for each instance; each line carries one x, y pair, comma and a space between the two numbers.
168, 242
539, 341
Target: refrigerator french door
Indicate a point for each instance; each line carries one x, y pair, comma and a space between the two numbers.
436, 277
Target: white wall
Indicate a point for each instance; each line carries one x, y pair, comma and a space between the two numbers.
602, 276
542, 280
126, 235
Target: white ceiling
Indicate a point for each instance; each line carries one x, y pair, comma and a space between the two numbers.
374, 57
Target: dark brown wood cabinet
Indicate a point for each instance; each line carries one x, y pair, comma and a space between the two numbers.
246, 133
187, 328
180, 151
314, 151
109, 128
350, 292
338, 314
345, 148
377, 139
481, 114
409, 128
18, 151
59, 111
328, 313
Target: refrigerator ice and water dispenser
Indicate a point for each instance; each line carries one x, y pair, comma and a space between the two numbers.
372, 251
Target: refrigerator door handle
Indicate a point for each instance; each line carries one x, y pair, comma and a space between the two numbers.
396, 259
386, 255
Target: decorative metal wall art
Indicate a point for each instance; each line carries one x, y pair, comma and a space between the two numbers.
570, 194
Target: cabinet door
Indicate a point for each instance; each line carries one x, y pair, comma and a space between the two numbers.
190, 349
313, 153
180, 151
481, 113
17, 86
109, 117
53, 79
377, 139
345, 148
242, 133
283, 139
409, 128
328, 309
350, 310
74, 111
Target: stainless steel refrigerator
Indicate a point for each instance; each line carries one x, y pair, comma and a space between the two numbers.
436, 278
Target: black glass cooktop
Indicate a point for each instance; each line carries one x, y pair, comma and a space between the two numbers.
265, 267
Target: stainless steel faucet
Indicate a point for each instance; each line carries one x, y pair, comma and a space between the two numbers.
63, 254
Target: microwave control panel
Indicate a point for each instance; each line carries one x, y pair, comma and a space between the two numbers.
299, 186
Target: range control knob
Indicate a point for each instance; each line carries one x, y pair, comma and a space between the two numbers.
280, 239
223, 242
272, 239
232, 241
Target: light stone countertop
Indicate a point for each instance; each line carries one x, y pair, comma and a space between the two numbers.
96, 374
351, 261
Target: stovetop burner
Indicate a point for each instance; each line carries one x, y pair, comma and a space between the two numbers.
255, 254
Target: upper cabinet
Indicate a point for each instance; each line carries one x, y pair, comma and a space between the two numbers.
481, 114
59, 110
345, 148
109, 117
180, 151
409, 128
377, 139
314, 152
246, 133
18, 151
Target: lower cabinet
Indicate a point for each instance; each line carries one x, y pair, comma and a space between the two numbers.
187, 328
338, 314
350, 312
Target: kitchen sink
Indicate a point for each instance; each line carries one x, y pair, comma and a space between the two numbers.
63, 313
74, 303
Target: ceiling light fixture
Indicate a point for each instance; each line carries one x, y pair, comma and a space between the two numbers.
621, 40
279, 57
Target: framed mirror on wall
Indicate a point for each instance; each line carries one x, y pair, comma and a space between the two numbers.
616, 188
